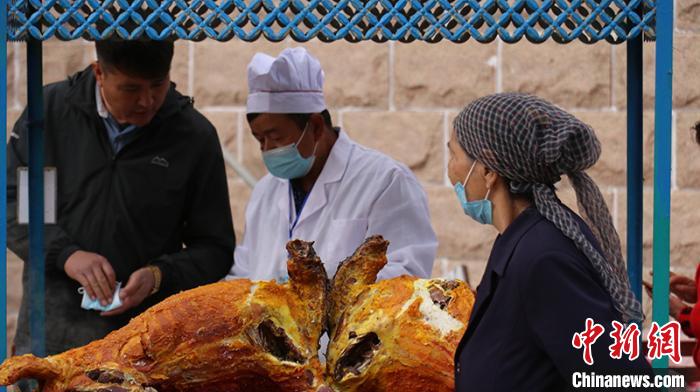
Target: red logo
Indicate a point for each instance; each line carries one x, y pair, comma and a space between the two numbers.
661, 341
626, 341
665, 341
586, 339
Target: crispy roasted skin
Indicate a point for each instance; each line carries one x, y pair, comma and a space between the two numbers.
396, 335
228, 336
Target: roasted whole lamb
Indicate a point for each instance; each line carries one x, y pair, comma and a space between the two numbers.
264, 336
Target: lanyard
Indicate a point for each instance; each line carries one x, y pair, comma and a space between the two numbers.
293, 221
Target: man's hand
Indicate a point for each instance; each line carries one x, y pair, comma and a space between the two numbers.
684, 288
94, 273
138, 287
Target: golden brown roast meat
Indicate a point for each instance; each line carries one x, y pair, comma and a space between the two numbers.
395, 335
229, 336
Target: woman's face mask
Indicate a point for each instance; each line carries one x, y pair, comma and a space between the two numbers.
479, 210
286, 161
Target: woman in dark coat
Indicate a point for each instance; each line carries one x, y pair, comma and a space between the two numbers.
549, 270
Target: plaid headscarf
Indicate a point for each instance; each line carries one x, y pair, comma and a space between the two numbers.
531, 143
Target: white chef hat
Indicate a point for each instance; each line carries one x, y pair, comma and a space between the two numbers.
290, 83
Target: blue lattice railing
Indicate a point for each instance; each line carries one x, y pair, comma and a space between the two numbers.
614, 21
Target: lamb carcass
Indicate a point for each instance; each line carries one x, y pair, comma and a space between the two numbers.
229, 336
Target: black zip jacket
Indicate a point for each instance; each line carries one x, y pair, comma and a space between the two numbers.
162, 200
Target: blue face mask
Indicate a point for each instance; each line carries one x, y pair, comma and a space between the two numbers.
479, 210
286, 162
94, 304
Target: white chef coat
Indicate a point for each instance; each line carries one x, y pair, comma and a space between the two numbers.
360, 192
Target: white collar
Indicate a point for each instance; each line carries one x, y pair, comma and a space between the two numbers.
101, 108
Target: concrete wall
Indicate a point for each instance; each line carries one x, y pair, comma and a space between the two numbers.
401, 99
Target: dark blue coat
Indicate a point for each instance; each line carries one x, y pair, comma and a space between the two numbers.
537, 291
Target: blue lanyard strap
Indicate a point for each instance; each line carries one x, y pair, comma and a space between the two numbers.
293, 222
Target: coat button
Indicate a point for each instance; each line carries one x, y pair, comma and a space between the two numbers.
459, 369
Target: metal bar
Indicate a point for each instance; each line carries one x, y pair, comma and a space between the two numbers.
635, 179
3, 182
662, 164
35, 110
231, 160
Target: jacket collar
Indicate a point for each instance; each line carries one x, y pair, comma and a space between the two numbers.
500, 257
81, 93
505, 243
333, 171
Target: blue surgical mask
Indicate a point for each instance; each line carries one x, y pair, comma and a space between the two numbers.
479, 210
286, 162
282, 279
94, 304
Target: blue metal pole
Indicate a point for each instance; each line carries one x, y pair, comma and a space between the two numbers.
635, 179
3, 183
35, 108
662, 164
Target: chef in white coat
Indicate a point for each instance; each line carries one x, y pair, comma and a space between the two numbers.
322, 186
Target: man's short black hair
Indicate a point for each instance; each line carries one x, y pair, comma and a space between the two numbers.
143, 58
300, 119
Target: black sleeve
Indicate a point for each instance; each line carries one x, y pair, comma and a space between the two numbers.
58, 245
559, 295
209, 236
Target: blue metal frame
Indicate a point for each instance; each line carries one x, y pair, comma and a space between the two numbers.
3, 183
200, 19
635, 175
330, 20
35, 111
662, 164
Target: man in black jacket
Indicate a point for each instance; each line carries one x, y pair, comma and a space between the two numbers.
142, 197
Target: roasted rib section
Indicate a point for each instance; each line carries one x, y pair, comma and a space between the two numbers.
354, 274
